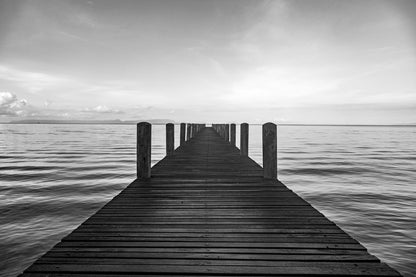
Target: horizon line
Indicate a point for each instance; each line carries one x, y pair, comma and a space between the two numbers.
163, 122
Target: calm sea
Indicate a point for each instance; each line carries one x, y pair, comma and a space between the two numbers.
53, 177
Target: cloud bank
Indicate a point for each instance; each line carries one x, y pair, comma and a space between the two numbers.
10, 105
317, 61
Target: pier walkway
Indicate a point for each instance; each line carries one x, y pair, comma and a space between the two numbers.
208, 211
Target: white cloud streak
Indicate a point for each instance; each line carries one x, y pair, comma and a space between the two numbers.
31, 81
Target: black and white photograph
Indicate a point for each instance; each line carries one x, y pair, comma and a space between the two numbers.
207, 138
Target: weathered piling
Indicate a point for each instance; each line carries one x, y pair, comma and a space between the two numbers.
227, 132
182, 133
188, 131
269, 150
170, 139
232, 134
144, 147
244, 139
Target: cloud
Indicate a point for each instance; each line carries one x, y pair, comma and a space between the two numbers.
31, 81
102, 109
10, 105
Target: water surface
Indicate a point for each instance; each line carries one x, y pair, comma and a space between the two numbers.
53, 177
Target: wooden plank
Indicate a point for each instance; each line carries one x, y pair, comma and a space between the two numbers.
349, 269
219, 256
195, 262
139, 244
275, 251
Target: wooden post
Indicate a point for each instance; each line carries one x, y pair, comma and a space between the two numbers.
170, 138
269, 150
144, 147
188, 131
244, 139
227, 132
183, 131
232, 135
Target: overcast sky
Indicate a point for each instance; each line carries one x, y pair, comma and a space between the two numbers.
329, 61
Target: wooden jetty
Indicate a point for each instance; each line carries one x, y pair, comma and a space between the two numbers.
208, 210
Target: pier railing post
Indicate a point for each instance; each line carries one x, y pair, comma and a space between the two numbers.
244, 139
188, 131
144, 148
170, 138
227, 132
269, 150
182, 132
232, 134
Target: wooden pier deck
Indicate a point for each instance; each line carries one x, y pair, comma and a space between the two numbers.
208, 211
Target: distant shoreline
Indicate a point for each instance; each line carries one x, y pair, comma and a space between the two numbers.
154, 122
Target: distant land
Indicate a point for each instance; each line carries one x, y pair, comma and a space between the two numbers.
164, 121
109, 122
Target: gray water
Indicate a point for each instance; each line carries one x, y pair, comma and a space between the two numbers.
53, 177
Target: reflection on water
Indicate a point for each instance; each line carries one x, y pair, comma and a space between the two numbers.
53, 177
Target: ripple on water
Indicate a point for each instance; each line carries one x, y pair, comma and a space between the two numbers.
53, 177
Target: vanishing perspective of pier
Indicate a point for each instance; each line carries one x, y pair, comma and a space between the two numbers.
207, 209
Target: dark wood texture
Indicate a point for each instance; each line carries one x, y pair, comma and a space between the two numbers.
269, 137
144, 147
227, 132
232, 134
208, 211
188, 131
244, 139
170, 138
182, 133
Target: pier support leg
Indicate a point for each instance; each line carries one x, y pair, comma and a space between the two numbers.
232, 134
188, 131
269, 150
170, 138
244, 139
144, 147
182, 132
